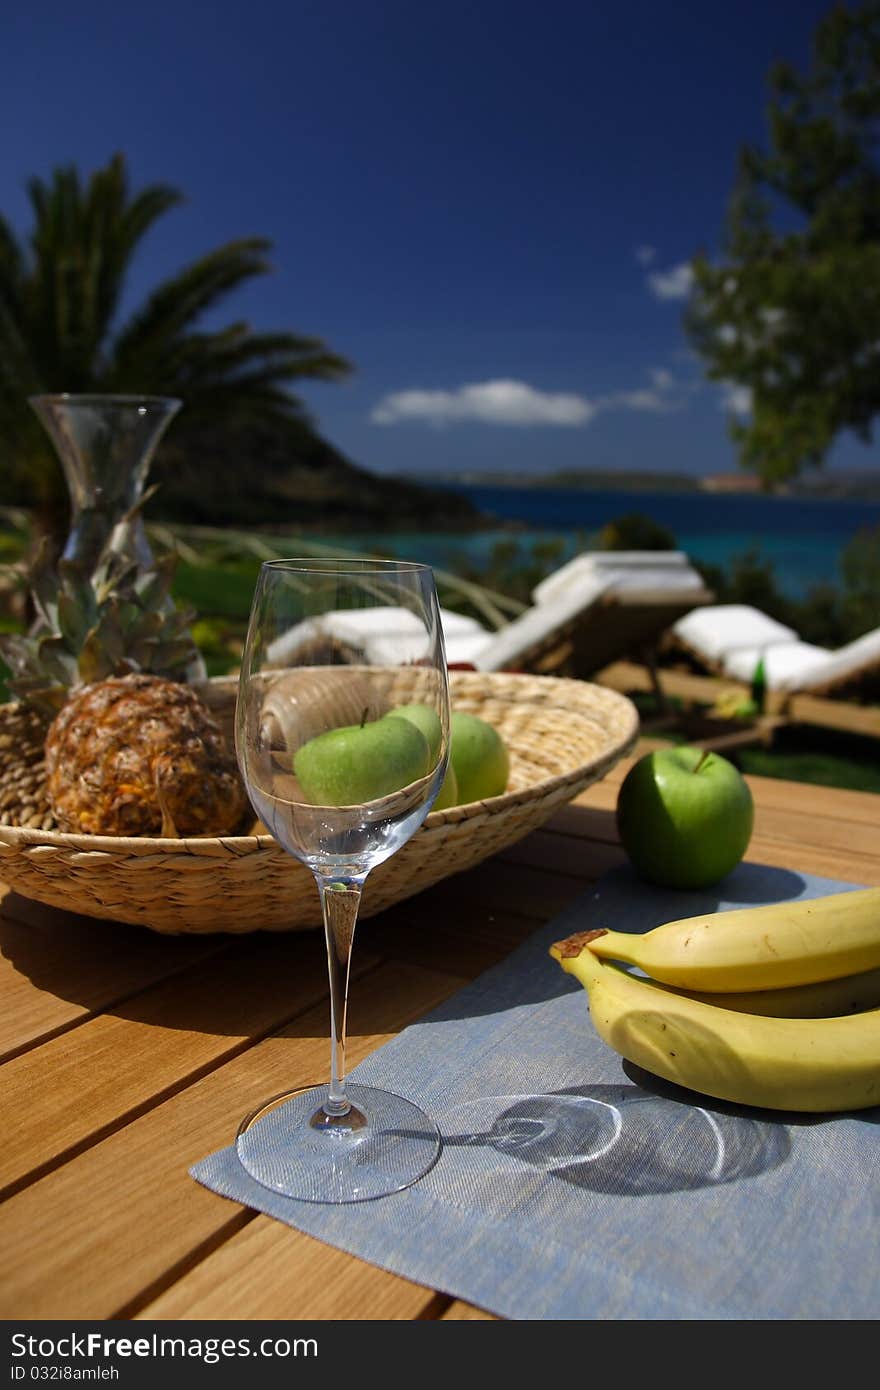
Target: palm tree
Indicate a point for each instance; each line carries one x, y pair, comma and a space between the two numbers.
60, 293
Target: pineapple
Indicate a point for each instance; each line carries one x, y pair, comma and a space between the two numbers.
93, 633
139, 755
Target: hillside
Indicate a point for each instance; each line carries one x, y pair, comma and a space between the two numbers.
292, 479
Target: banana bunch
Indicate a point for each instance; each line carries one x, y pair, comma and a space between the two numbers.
754, 1006
749, 948
824, 999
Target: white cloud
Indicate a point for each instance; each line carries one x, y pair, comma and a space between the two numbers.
646, 254
675, 283
663, 396
487, 402
642, 400
503, 402
662, 379
736, 399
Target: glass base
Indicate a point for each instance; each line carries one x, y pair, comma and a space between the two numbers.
382, 1146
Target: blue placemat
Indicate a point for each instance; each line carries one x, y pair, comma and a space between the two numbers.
570, 1185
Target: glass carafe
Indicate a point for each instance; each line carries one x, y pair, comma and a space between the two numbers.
106, 444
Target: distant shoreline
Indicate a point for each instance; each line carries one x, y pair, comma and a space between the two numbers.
845, 486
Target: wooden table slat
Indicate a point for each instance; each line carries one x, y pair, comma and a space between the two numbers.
270, 1271
56, 968
76, 1087
771, 843
465, 1312
117, 1219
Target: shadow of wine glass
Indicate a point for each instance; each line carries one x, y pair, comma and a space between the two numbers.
622, 1140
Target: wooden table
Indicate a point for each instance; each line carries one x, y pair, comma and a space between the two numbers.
130, 1055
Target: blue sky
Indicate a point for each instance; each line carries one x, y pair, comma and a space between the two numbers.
487, 207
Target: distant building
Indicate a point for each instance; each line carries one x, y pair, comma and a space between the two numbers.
731, 482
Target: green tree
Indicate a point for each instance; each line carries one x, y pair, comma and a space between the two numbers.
860, 563
635, 531
791, 312
60, 294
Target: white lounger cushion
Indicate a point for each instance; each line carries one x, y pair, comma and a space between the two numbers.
462, 648
715, 632
860, 655
786, 665
624, 569
801, 666
538, 624
467, 642
378, 632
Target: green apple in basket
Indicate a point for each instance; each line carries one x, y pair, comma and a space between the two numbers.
425, 718
478, 756
684, 817
362, 762
479, 765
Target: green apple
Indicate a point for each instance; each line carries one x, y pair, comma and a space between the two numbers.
424, 718
684, 817
478, 757
361, 762
448, 793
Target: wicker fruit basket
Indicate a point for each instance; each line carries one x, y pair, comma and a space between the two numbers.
562, 736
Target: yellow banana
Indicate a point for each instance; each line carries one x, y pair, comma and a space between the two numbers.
749, 948
824, 1064
825, 999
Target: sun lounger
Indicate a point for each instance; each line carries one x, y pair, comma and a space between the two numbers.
598, 607
541, 630
732, 638
626, 570
799, 666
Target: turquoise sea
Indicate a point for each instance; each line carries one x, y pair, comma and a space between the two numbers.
802, 538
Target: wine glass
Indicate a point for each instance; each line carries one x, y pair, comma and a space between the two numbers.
342, 736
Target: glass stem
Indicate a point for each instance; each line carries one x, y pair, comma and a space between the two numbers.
340, 900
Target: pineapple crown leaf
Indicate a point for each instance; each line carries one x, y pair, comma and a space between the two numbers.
44, 586
153, 586
18, 652
172, 654
54, 657
74, 619
75, 583
41, 694
113, 575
